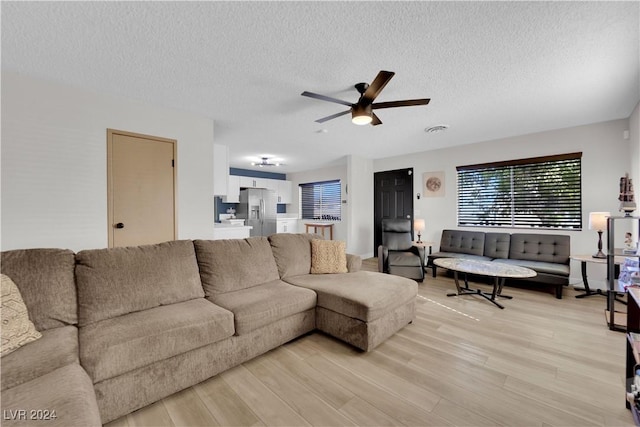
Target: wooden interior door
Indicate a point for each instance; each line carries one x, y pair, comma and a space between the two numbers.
141, 189
393, 198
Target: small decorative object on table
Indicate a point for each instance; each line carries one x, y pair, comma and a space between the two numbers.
627, 203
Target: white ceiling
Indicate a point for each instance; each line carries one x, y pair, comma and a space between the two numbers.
491, 69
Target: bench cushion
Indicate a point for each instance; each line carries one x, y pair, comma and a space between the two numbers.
362, 295
122, 344
264, 304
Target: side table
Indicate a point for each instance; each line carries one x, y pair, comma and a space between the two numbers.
586, 259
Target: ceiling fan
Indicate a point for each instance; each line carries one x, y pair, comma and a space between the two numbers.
362, 111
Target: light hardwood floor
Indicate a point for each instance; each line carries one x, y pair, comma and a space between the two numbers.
539, 362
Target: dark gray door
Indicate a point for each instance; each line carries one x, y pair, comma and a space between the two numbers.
393, 198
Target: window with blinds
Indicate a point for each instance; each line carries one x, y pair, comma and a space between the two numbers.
540, 192
321, 200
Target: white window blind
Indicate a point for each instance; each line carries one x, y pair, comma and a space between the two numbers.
321, 200
541, 192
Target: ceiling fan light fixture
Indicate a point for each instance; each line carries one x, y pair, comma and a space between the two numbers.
361, 115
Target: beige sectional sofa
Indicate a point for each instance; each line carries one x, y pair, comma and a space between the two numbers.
125, 327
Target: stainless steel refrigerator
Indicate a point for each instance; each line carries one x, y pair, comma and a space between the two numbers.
258, 208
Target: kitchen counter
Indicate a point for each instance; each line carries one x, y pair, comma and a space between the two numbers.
230, 231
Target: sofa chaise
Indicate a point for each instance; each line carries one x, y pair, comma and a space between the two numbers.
125, 327
546, 254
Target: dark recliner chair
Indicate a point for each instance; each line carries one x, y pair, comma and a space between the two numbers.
398, 255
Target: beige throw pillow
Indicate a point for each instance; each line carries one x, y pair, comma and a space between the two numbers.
17, 329
328, 256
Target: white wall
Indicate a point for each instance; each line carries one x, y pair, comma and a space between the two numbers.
606, 157
359, 206
54, 177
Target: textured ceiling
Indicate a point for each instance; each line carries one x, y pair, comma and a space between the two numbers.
491, 69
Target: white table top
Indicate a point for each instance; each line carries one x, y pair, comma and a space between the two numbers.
590, 258
484, 268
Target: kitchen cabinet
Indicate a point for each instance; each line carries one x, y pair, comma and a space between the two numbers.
251, 182
286, 225
220, 169
233, 190
284, 191
281, 187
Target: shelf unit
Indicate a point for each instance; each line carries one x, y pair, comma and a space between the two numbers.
633, 359
616, 320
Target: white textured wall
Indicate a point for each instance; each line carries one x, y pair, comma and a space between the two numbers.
54, 178
606, 157
360, 206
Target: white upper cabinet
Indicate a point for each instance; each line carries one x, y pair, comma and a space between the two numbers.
284, 191
233, 190
281, 187
220, 169
251, 182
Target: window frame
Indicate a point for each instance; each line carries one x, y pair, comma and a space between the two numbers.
333, 211
509, 206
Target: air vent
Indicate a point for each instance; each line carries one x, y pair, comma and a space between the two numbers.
436, 129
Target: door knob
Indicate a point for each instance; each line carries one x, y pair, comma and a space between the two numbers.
119, 225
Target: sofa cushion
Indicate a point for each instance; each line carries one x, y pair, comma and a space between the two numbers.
115, 346
17, 329
403, 259
362, 295
46, 282
461, 241
328, 256
66, 393
496, 245
231, 265
117, 281
436, 255
264, 304
551, 248
539, 266
292, 253
58, 347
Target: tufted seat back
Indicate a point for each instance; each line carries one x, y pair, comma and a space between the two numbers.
540, 247
468, 242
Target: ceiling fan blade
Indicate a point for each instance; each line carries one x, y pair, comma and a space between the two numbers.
407, 103
376, 86
333, 116
376, 120
325, 98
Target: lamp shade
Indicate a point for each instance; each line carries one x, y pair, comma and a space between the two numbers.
598, 220
418, 224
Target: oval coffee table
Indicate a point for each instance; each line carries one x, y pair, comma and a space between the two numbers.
499, 271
